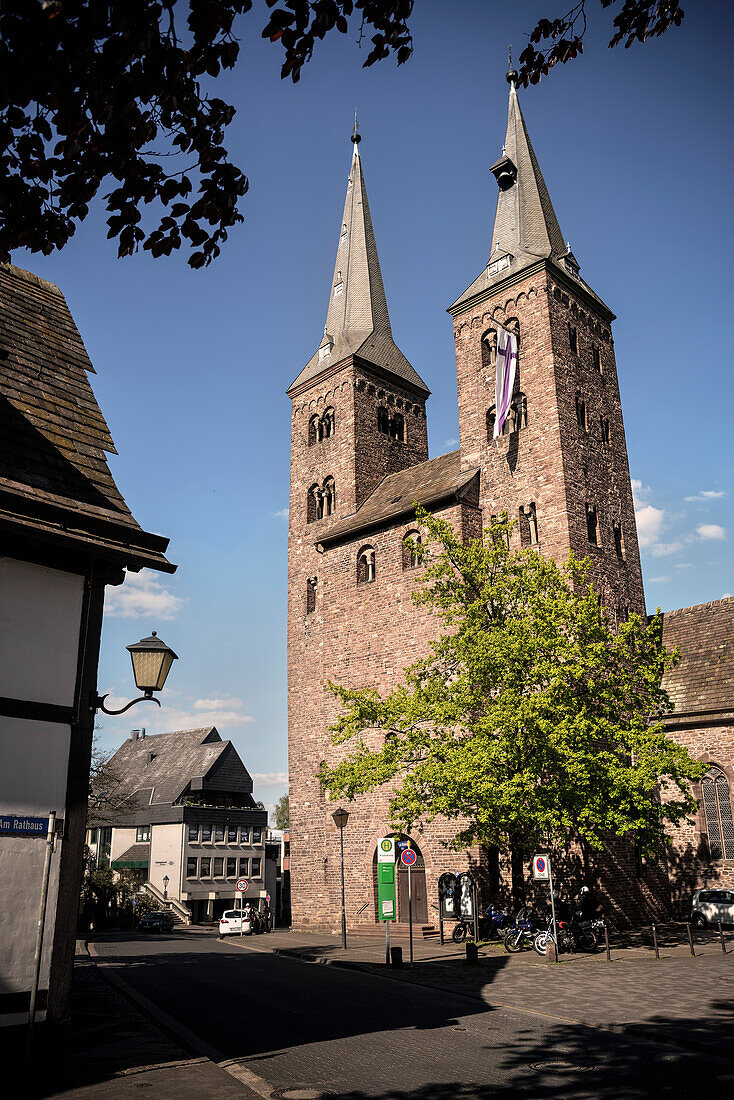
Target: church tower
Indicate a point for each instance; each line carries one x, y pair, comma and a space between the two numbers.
561, 469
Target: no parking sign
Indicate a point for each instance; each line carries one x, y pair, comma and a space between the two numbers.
541, 867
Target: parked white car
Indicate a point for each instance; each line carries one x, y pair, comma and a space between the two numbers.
231, 923
711, 906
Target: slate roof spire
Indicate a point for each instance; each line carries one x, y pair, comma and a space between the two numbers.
357, 321
526, 228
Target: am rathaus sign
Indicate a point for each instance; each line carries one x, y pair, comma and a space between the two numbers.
20, 825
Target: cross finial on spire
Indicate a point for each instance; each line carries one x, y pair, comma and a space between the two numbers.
356, 136
511, 73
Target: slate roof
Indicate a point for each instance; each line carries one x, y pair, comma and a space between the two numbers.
138, 853
703, 679
426, 483
54, 479
178, 758
525, 226
357, 321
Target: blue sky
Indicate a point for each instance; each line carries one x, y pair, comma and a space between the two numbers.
636, 148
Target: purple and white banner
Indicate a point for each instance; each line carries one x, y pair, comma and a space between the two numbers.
505, 380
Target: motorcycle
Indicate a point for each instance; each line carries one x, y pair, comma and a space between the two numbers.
522, 933
572, 935
492, 924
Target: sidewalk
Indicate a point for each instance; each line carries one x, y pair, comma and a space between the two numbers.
110, 1049
680, 1000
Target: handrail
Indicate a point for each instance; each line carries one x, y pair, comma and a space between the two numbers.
360, 911
169, 903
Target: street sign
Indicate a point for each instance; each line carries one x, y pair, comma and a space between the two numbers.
242, 885
386, 895
541, 867
407, 857
386, 850
20, 825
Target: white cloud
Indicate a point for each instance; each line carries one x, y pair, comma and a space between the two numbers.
451, 443
706, 494
142, 594
659, 580
282, 513
684, 565
269, 779
220, 711
649, 524
227, 702
710, 531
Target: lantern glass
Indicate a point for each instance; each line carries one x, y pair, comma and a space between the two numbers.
152, 660
340, 817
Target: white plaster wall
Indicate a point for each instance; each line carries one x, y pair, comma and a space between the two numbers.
165, 857
122, 839
40, 614
34, 758
21, 874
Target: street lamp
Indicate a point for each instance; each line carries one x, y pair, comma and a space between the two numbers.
340, 819
166, 880
152, 660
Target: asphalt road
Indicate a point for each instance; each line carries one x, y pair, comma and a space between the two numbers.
356, 1035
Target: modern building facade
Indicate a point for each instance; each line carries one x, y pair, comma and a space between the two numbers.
65, 533
191, 828
359, 462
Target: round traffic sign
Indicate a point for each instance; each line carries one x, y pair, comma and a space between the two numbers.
242, 885
408, 857
540, 865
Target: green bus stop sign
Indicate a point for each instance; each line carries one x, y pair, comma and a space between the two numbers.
386, 896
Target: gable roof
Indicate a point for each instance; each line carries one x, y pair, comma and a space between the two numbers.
703, 680
357, 321
159, 767
427, 483
54, 479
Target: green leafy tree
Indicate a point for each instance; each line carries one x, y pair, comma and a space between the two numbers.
281, 814
118, 93
531, 721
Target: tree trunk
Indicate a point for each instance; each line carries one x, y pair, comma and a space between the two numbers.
517, 871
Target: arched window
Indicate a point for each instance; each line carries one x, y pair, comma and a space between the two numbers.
411, 554
520, 408
314, 504
491, 417
489, 350
328, 494
311, 584
397, 427
528, 525
366, 565
581, 412
313, 431
717, 811
329, 422
383, 420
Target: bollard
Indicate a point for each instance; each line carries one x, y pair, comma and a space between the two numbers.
721, 937
472, 954
690, 940
551, 951
655, 942
606, 943
396, 956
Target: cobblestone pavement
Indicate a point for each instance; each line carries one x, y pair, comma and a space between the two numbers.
354, 1034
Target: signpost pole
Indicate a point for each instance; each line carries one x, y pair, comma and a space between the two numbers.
387, 942
242, 910
50, 843
476, 911
410, 915
553, 909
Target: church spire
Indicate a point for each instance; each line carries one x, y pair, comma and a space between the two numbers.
357, 320
526, 228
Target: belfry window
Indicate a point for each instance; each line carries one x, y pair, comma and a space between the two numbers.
592, 525
313, 431
411, 553
397, 426
328, 496
716, 799
596, 357
311, 584
489, 350
604, 428
366, 565
573, 339
581, 412
528, 525
618, 540
383, 420
321, 427
314, 504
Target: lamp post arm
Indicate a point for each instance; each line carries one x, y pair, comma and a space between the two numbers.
98, 703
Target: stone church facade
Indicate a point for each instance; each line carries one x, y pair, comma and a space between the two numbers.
359, 461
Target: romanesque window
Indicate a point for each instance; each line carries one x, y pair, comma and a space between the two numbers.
391, 425
716, 799
581, 411
383, 420
596, 357
489, 350
520, 410
313, 431
366, 565
604, 427
397, 426
573, 339
328, 424
314, 504
618, 540
528, 525
592, 524
411, 555
310, 595
321, 427
491, 417
328, 496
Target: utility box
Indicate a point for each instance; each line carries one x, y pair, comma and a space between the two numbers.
386, 893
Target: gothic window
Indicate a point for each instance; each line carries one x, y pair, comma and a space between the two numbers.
311, 595
592, 524
383, 420
618, 540
528, 525
604, 426
596, 356
328, 497
313, 431
411, 542
581, 411
716, 799
397, 427
314, 504
573, 339
366, 565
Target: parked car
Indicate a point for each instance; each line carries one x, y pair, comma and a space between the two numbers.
231, 922
711, 906
158, 921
